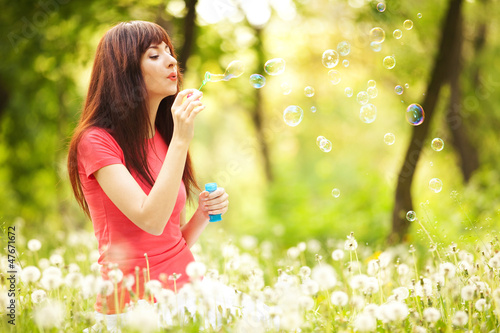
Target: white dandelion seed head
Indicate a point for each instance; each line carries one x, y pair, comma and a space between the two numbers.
466, 256
166, 297
350, 244
494, 262
467, 292
371, 309
431, 315
195, 270
49, 314
365, 323
483, 288
313, 245
43, 263
143, 317
339, 298
357, 302
425, 289
105, 287
51, 281
129, 281
481, 305
385, 259
153, 286
401, 293
325, 276
338, 255
460, 318
305, 302
358, 281
73, 280
302, 246
496, 295
38, 296
73, 268
115, 275
438, 279
305, 272
309, 287
56, 260
420, 329
51, 270
373, 267
30, 274
95, 267
34, 245
229, 251
249, 242
403, 269
371, 286
447, 269
293, 252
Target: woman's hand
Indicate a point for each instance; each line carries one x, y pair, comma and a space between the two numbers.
185, 108
213, 203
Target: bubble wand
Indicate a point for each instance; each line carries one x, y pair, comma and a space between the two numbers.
235, 69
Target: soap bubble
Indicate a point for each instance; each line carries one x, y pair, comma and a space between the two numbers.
319, 138
419, 15
275, 66
325, 145
293, 115
368, 113
437, 144
257, 81
336, 193
411, 216
345, 62
408, 24
376, 46
397, 34
313, 109
371, 83
362, 97
344, 48
372, 92
389, 62
407, 85
389, 139
381, 7
235, 69
436, 185
398, 89
377, 35
285, 88
415, 114
348, 91
334, 76
309, 91
330, 58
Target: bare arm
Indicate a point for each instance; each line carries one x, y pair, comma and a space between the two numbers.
152, 212
213, 203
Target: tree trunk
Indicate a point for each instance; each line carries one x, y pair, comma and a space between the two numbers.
440, 73
469, 159
189, 33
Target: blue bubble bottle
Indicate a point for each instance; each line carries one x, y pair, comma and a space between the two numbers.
210, 187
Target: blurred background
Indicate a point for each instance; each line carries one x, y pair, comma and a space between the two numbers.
280, 182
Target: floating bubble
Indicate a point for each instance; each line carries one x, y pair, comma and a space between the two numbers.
368, 113
397, 34
408, 24
377, 35
389, 62
436, 185
330, 58
407, 85
319, 138
372, 92
398, 89
257, 81
411, 216
309, 91
313, 109
389, 139
419, 15
371, 83
376, 46
362, 97
275, 66
336, 193
285, 88
345, 62
415, 114
334, 76
348, 91
235, 69
437, 144
293, 115
325, 145
381, 7
344, 48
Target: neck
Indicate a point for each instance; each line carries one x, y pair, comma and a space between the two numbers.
153, 109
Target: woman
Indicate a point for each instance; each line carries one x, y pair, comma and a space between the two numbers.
129, 163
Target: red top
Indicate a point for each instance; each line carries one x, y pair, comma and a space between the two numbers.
120, 240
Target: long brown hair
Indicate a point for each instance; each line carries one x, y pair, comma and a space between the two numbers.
116, 101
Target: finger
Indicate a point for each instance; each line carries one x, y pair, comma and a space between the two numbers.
218, 206
195, 112
217, 193
179, 99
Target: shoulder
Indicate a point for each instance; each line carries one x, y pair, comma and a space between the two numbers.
97, 137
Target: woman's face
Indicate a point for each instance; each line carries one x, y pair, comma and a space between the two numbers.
159, 70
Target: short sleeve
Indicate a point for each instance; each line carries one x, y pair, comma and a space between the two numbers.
97, 149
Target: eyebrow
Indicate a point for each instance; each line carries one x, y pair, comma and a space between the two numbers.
156, 47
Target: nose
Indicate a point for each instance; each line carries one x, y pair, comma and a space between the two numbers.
171, 61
